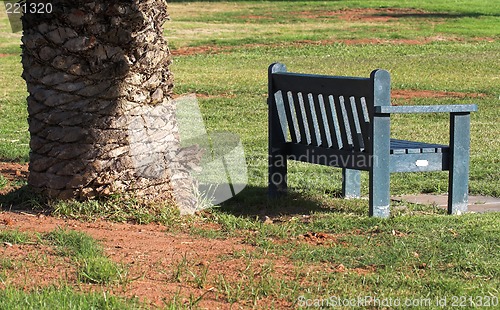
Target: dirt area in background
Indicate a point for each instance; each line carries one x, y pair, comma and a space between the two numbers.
410, 94
367, 15
214, 49
381, 15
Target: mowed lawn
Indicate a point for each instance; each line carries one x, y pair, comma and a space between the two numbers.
438, 52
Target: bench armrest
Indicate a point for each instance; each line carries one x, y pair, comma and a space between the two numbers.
458, 108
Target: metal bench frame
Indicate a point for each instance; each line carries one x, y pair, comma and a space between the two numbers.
345, 122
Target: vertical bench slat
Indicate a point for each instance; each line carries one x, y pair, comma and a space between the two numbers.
333, 120
357, 135
364, 119
295, 135
345, 129
312, 123
317, 119
300, 114
302, 118
325, 128
280, 106
292, 134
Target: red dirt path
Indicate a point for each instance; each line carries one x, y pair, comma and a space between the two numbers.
151, 255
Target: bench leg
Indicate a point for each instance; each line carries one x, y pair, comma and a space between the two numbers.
380, 192
380, 168
277, 175
351, 183
458, 183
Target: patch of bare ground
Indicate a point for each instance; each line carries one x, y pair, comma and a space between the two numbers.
376, 15
414, 93
13, 171
161, 265
372, 15
331, 240
196, 50
35, 265
379, 15
318, 238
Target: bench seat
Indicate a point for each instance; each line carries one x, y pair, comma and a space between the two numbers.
398, 147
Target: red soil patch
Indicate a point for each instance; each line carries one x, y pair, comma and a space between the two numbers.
161, 265
319, 238
378, 15
195, 50
213, 49
409, 94
12, 171
367, 14
2, 55
152, 256
44, 265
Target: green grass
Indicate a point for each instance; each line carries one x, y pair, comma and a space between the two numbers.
61, 298
227, 23
86, 252
431, 256
93, 266
14, 236
237, 79
118, 209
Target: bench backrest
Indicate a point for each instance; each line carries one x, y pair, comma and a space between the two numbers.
328, 111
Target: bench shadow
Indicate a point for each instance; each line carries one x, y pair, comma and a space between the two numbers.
254, 202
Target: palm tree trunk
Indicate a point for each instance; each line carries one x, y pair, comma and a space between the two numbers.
101, 117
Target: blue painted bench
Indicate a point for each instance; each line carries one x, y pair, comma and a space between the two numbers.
345, 122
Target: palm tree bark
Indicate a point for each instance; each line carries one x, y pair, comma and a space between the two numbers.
101, 117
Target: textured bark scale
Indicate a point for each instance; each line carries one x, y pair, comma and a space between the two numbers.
101, 117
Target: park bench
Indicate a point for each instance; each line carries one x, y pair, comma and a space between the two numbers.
345, 122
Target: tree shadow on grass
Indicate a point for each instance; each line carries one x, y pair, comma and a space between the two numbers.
252, 202
22, 199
